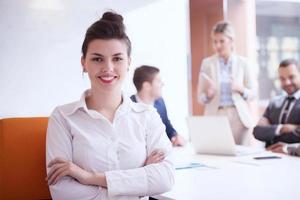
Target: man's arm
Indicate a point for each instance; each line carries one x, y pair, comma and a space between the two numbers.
290, 135
162, 110
291, 149
264, 130
267, 132
172, 134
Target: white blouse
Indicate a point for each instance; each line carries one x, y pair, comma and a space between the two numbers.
118, 149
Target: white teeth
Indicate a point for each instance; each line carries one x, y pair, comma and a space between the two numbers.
109, 78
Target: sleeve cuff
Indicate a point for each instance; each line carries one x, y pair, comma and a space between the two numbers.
205, 99
285, 149
126, 182
277, 131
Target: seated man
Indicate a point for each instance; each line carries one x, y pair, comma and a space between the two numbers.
149, 85
280, 122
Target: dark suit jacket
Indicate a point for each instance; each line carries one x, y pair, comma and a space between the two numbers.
160, 106
272, 113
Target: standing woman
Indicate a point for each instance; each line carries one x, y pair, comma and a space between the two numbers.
104, 146
226, 84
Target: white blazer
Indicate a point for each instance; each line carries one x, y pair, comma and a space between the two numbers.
241, 74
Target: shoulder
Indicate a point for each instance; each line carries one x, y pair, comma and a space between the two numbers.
159, 101
277, 101
66, 109
208, 63
209, 59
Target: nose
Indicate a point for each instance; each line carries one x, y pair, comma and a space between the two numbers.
287, 82
218, 46
108, 66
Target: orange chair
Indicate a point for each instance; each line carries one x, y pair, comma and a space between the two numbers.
22, 158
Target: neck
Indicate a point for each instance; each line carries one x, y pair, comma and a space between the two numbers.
145, 97
104, 102
226, 57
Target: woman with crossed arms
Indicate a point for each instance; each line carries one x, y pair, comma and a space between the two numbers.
104, 146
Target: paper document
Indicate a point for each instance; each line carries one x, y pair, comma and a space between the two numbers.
191, 165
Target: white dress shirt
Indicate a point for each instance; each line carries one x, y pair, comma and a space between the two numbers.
118, 149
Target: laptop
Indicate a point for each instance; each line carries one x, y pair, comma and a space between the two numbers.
213, 135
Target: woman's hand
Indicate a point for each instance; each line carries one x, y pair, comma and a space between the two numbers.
60, 168
210, 92
236, 87
156, 156
209, 86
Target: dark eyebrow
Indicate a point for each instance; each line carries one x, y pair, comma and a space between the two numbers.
97, 54
118, 54
100, 55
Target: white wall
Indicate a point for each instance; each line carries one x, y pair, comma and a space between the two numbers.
40, 51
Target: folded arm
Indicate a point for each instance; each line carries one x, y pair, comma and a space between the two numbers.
76, 183
264, 130
59, 144
151, 179
288, 133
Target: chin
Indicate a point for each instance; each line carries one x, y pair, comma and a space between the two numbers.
290, 92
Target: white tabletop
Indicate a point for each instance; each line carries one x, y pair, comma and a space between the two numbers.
229, 177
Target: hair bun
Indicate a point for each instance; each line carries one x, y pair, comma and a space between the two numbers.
113, 17
110, 26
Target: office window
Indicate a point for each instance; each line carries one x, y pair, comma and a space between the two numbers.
278, 38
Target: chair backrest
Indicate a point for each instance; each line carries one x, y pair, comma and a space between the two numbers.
22, 158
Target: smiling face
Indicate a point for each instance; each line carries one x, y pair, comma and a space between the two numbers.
106, 63
222, 44
289, 78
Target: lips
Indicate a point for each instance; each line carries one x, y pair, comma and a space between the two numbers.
107, 78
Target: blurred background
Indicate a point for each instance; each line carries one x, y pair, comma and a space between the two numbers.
41, 40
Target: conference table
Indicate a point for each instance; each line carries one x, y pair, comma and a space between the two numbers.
212, 177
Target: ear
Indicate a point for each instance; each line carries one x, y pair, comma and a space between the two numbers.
83, 64
146, 85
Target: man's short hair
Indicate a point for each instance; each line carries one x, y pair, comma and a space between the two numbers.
287, 62
143, 74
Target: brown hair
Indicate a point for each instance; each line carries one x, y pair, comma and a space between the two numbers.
287, 62
110, 26
225, 28
143, 74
